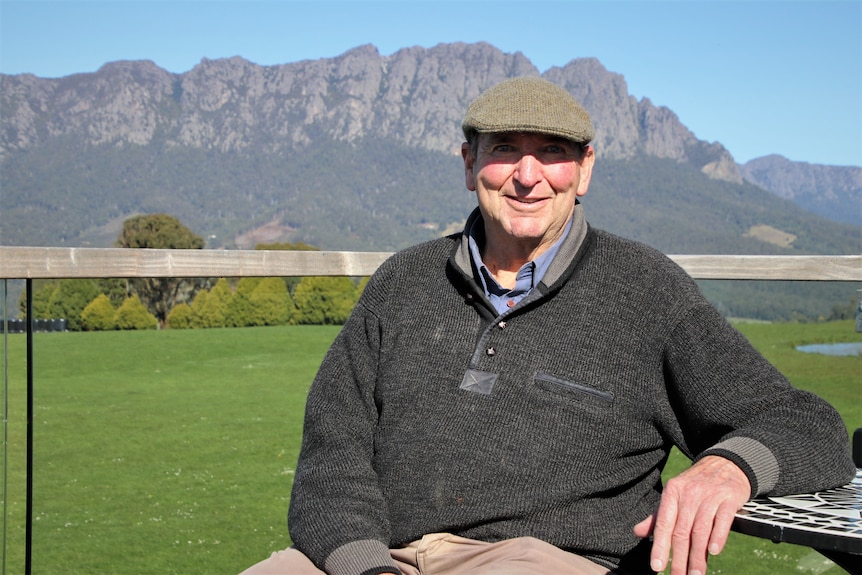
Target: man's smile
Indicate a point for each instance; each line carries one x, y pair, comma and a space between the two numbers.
526, 202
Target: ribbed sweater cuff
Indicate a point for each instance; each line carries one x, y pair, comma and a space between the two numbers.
366, 557
754, 458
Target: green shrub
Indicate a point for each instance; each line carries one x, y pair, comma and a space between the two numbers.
324, 300
133, 315
99, 315
69, 299
271, 304
239, 311
42, 292
214, 307
198, 304
181, 317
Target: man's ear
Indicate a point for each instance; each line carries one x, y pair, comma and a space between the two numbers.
469, 163
588, 158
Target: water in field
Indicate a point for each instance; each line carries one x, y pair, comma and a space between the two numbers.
833, 348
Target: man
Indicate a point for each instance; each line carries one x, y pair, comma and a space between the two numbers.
503, 401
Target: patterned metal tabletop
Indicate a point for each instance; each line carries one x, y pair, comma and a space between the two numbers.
829, 520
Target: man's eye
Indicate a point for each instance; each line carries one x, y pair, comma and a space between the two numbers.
555, 150
503, 148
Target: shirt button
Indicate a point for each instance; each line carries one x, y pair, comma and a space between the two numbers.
510, 303
491, 351
502, 325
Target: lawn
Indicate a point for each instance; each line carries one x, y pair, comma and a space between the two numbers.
159, 452
173, 451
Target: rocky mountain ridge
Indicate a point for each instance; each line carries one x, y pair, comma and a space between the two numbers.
415, 96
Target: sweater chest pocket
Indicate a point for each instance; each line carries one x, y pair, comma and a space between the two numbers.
576, 392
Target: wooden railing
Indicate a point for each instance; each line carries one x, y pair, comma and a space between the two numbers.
45, 263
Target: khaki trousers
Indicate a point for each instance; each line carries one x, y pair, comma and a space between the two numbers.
446, 554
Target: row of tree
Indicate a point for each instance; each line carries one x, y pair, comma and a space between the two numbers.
100, 315
149, 303
68, 299
242, 303
267, 301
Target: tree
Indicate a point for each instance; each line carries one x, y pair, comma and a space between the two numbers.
42, 292
117, 289
246, 286
214, 307
197, 306
181, 316
159, 231
240, 310
133, 315
99, 315
271, 304
69, 299
324, 300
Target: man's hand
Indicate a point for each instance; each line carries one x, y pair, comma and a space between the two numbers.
695, 515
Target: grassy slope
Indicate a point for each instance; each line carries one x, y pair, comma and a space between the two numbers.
172, 452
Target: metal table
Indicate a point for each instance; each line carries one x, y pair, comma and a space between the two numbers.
828, 521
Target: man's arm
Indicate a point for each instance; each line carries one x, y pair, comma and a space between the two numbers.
337, 514
729, 401
750, 432
695, 514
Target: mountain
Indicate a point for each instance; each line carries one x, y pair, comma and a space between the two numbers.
358, 152
415, 97
834, 192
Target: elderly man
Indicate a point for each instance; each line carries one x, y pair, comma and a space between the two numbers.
503, 400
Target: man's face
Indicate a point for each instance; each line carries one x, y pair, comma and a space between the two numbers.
526, 185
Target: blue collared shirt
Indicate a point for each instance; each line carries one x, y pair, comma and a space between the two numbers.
528, 276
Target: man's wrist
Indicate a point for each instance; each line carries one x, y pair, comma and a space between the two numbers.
753, 458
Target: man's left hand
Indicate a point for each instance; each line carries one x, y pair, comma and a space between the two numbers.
695, 514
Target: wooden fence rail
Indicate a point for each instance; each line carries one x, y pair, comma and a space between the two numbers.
52, 262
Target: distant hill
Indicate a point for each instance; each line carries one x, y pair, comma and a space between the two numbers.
357, 152
834, 192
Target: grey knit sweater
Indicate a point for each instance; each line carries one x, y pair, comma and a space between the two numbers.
432, 414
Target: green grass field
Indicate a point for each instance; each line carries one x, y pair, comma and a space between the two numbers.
173, 451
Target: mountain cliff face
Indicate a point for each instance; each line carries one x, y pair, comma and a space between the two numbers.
834, 192
415, 97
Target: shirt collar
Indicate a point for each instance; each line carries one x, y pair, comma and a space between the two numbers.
528, 276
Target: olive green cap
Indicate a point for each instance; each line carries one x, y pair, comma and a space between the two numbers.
528, 104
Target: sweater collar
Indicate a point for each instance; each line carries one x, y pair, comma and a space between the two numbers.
558, 266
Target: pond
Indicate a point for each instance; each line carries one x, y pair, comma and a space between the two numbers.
833, 348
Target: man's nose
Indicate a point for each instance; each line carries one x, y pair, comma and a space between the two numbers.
528, 171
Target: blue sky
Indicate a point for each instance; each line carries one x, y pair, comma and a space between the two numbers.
759, 76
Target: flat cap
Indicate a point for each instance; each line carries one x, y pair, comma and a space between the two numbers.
528, 104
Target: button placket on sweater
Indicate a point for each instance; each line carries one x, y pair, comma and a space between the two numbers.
491, 349
488, 342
